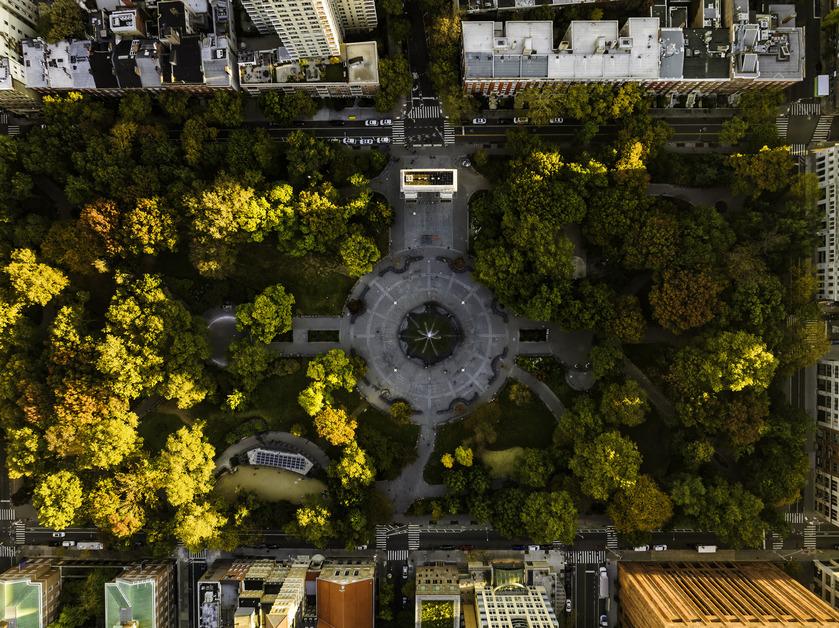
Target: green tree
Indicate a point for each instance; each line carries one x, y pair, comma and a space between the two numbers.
268, 315
250, 363
34, 282
549, 517
186, 465
313, 524
353, 470
765, 172
334, 426
628, 323
733, 131
285, 108
395, 81
463, 455
608, 463
683, 300
199, 525
60, 19
624, 404
118, 504
58, 498
359, 253
534, 468
150, 228
640, 508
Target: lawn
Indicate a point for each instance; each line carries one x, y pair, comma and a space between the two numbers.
501, 463
273, 407
270, 485
527, 425
316, 289
392, 445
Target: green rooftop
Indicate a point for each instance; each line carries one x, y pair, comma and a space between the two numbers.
137, 596
21, 601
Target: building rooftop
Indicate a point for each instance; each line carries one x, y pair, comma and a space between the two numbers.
437, 580
670, 595
589, 50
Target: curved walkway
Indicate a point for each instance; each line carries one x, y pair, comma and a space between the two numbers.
542, 390
272, 440
411, 485
697, 196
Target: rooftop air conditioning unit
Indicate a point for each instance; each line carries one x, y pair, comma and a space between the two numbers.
564, 45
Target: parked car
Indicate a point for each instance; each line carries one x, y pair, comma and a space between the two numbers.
383, 140
404, 601
59, 535
479, 120
604, 620
68, 543
659, 548
521, 120
405, 571
556, 121
568, 605
366, 141
335, 139
386, 122
371, 123
349, 140
642, 548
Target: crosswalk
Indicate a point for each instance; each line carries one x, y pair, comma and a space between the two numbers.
810, 536
14, 129
19, 531
381, 537
425, 112
805, 109
413, 537
822, 131
200, 555
397, 555
798, 150
7, 552
611, 539
782, 125
7, 514
4, 118
794, 517
398, 132
585, 557
448, 133
777, 542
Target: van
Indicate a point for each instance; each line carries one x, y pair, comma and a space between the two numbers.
706, 549
604, 584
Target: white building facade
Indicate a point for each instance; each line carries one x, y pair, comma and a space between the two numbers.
311, 28
18, 23
824, 163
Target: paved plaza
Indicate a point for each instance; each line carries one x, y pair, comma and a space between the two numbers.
448, 388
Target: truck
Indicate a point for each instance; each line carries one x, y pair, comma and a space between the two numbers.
706, 549
89, 545
604, 584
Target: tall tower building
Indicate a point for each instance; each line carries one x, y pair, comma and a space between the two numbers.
308, 28
18, 23
311, 28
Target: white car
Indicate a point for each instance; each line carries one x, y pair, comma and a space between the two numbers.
349, 140
59, 535
604, 621
386, 122
568, 605
521, 120
479, 120
659, 548
405, 571
383, 140
68, 543
371, 123
556, 121
641, 548
365, 141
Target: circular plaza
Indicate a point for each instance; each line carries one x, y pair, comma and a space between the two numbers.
430, 333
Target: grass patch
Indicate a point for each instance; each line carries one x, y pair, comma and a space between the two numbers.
501, 463
322, 335
155, 428
656, 452
528, 425
317, 289
271, 485
391, 445
273, 407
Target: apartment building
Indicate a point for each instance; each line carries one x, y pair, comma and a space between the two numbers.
667, 595
437, 594
17, 22
826, 581
304, 590
345, 593
143, 594
500, 58
173, 44
311, 28
30, 594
